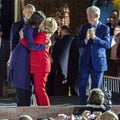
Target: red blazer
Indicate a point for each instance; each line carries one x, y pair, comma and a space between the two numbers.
39, 59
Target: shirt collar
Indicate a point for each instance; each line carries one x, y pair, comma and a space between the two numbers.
95, 25
25, 19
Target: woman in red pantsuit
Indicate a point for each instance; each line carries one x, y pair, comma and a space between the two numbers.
40, 61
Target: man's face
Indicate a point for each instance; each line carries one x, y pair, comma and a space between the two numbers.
28, 12
92, 18
112, 20
115, 14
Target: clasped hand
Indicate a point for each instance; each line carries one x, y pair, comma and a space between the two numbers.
90, 34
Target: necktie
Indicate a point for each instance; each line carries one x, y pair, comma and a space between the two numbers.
93, 26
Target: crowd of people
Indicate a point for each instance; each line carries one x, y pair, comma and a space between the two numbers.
113, 53
86, 115
47, 61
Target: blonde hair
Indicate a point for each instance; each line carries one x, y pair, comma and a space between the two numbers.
25, 117
109, 115
50, 25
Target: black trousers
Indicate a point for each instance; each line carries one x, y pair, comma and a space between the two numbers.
1, 85
23, 97
2, 80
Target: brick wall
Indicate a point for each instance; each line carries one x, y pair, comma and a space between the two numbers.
77, 9
13, 113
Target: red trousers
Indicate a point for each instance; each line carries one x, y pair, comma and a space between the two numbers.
40, 88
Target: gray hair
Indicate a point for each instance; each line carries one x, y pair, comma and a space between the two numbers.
94, 10
25, 117
29, 6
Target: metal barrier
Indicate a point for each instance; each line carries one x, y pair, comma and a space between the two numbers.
111, 83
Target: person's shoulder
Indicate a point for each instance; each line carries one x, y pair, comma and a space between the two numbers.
42, 34
68, 36
41, 38
103, 25
18, 23
84, 25
28, 28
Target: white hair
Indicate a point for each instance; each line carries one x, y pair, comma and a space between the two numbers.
94, 10
25, 117
29, 6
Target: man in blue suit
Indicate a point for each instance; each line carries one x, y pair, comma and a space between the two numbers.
94, 39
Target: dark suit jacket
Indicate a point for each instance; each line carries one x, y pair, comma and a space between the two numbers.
73, 60
14, 33
4, 56
60, 54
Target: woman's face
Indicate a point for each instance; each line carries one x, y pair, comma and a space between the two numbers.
116, 30
41, 26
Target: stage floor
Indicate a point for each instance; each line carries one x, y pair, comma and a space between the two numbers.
55, 100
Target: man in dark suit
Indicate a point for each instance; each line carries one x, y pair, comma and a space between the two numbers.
4, 56
94, 39
60, 56
28, 10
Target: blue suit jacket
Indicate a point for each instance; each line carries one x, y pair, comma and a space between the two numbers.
94, 51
